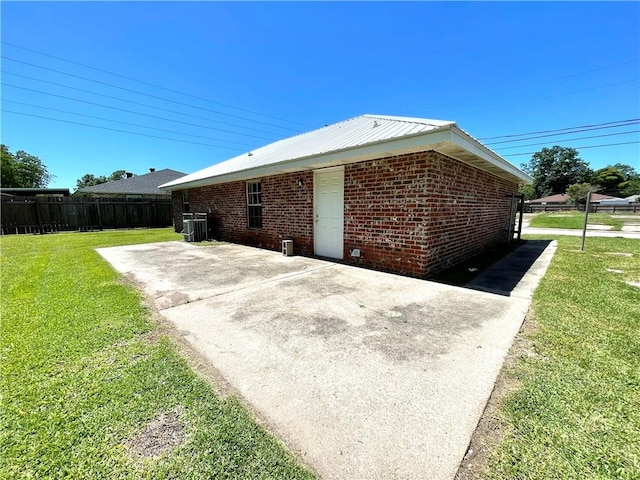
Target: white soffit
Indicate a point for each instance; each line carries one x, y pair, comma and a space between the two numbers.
357, 139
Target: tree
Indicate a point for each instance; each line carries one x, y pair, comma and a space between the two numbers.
609, 179
578, 192
89, 180
554, 169
630, 187
7, 167
23, 170
117, 175
528, 191
631, 184
627, 170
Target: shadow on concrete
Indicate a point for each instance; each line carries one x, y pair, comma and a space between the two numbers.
504, 276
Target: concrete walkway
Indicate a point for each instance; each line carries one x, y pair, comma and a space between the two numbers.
363, 374
518, 274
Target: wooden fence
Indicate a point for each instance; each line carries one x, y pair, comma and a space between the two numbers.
43, 214
631, 208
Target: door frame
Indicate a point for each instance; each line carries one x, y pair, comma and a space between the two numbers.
315, 207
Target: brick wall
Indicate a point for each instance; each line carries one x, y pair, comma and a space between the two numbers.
176, 206
413, 214
287, 211
384, 206
467, 210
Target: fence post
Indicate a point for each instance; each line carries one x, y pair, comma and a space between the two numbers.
97, 204
521, 208
37, 205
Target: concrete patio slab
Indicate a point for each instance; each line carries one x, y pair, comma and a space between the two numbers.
362, 374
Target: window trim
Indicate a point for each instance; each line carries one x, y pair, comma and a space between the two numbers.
252, 195
185, 201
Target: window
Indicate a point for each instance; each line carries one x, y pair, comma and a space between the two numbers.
185, 200
254, 204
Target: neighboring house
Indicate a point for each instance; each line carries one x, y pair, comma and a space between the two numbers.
406, 195
613, 201
133, 187
563, 199
33, 192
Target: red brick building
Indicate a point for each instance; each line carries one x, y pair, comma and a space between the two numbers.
404, 195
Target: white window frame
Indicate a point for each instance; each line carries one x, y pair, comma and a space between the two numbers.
254, 204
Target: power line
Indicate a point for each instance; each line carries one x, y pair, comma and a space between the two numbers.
571, 139
138, 103
134, 112
125, 123
541, 83
146, 94
553, 96
563, 133
120, 131
583, 147
152, 84
559, 129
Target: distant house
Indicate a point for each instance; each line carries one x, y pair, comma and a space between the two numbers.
134, 187
599, 202
614, 201
563, 199
33, 192
405, 195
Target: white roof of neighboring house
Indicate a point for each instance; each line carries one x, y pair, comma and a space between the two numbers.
614, 201
360, 138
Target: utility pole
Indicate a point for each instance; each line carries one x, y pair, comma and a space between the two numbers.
586, 218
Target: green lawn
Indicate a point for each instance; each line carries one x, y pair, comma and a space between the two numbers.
84, 369
575, 220
576, 413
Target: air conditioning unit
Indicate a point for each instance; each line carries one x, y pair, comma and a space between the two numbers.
187, 230
194, 227
287, 248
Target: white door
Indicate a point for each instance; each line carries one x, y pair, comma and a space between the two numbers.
328, 188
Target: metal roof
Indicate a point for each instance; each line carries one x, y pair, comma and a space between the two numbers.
146, 184
357, 139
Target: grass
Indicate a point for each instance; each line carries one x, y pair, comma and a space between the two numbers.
576, 411
575, 220
84, 369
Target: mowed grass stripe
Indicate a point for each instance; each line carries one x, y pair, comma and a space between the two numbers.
576, 413
575, 220
83, 373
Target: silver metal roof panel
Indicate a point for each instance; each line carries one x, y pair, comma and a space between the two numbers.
356, 139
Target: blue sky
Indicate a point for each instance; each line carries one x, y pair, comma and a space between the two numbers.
236, 76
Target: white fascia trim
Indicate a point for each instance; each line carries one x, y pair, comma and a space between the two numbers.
466, 142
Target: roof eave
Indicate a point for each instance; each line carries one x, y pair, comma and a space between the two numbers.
448, 139
358, 153
493, 163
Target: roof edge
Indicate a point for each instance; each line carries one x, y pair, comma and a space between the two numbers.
368, 151
490, 155
421, 141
